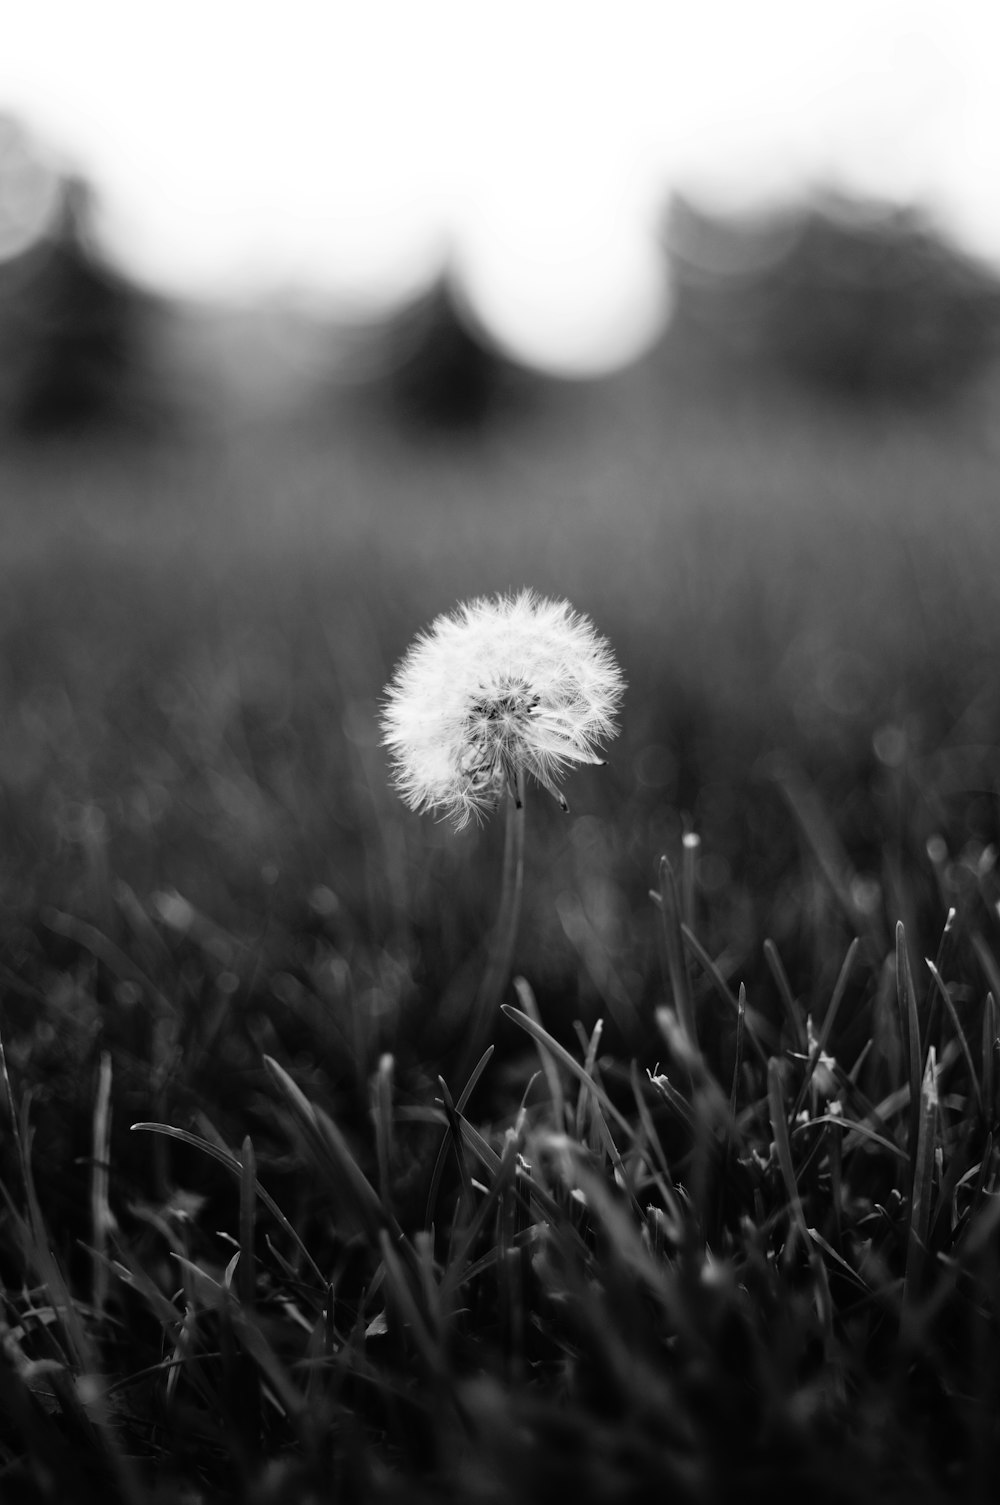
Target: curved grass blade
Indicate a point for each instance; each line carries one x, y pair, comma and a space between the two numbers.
234, 1166
331, 1151
562, 1055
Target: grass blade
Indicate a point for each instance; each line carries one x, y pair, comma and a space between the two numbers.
330, 1149
553, 1080
829, 1018
948, 1002
442, 1154
101, 1219
234, 1166
779, 1128
381, 1112
758, 1029
668, 903
793, 1012
246, 1276
907, 998
991, 1032
738, 1055
923, 1179
562, 1055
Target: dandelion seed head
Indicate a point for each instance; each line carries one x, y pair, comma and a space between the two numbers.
502, 686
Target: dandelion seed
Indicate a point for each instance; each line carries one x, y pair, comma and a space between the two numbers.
502, 687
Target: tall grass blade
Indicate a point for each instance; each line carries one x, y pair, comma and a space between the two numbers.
562, 1055
234, 1166
921, 1195
584, 1103
779, 1128
442, 1154
738, 1055
101, 1219
354, 1191
246, 1274
668, 902
956, 1024
798, 1226
759, 1030
907, 997
526, 998
793, 1012
381, 1111
991, 1033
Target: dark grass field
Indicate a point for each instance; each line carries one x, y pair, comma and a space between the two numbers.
758, 1263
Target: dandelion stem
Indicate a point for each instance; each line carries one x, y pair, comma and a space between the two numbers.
501, 952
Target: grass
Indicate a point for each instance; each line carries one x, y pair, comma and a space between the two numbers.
716, 1213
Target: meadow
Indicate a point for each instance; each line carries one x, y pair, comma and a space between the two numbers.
719, 1213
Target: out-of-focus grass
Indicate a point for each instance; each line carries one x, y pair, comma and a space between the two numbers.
201, 863
195, 640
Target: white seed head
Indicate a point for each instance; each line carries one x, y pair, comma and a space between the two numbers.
502, 686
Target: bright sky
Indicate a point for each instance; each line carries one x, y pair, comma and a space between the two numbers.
346, 148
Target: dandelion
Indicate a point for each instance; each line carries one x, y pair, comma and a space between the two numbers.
503, 687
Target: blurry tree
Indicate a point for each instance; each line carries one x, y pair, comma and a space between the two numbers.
437, 372
862, 300
76, 337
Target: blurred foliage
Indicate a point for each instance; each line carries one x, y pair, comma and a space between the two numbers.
856, 299
78, 342
434, 370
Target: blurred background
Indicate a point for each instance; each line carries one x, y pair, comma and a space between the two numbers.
315, 319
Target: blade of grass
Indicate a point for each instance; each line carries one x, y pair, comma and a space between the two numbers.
948, 1002
758, 1029
332, 1155
991, 1031
668, 903
442, 1154
738, 1054
234, 1166
852, 1126
402, 1301
491, 1162
793, 1012
458, 1271
782, 1144
665, 1180
101, 1218
526, 998
247, 1269
826, 1029
380, 1091
584, 1102
923, 1178
907, 998
565, 1059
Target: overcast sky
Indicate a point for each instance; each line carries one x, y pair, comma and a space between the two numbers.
349, 148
